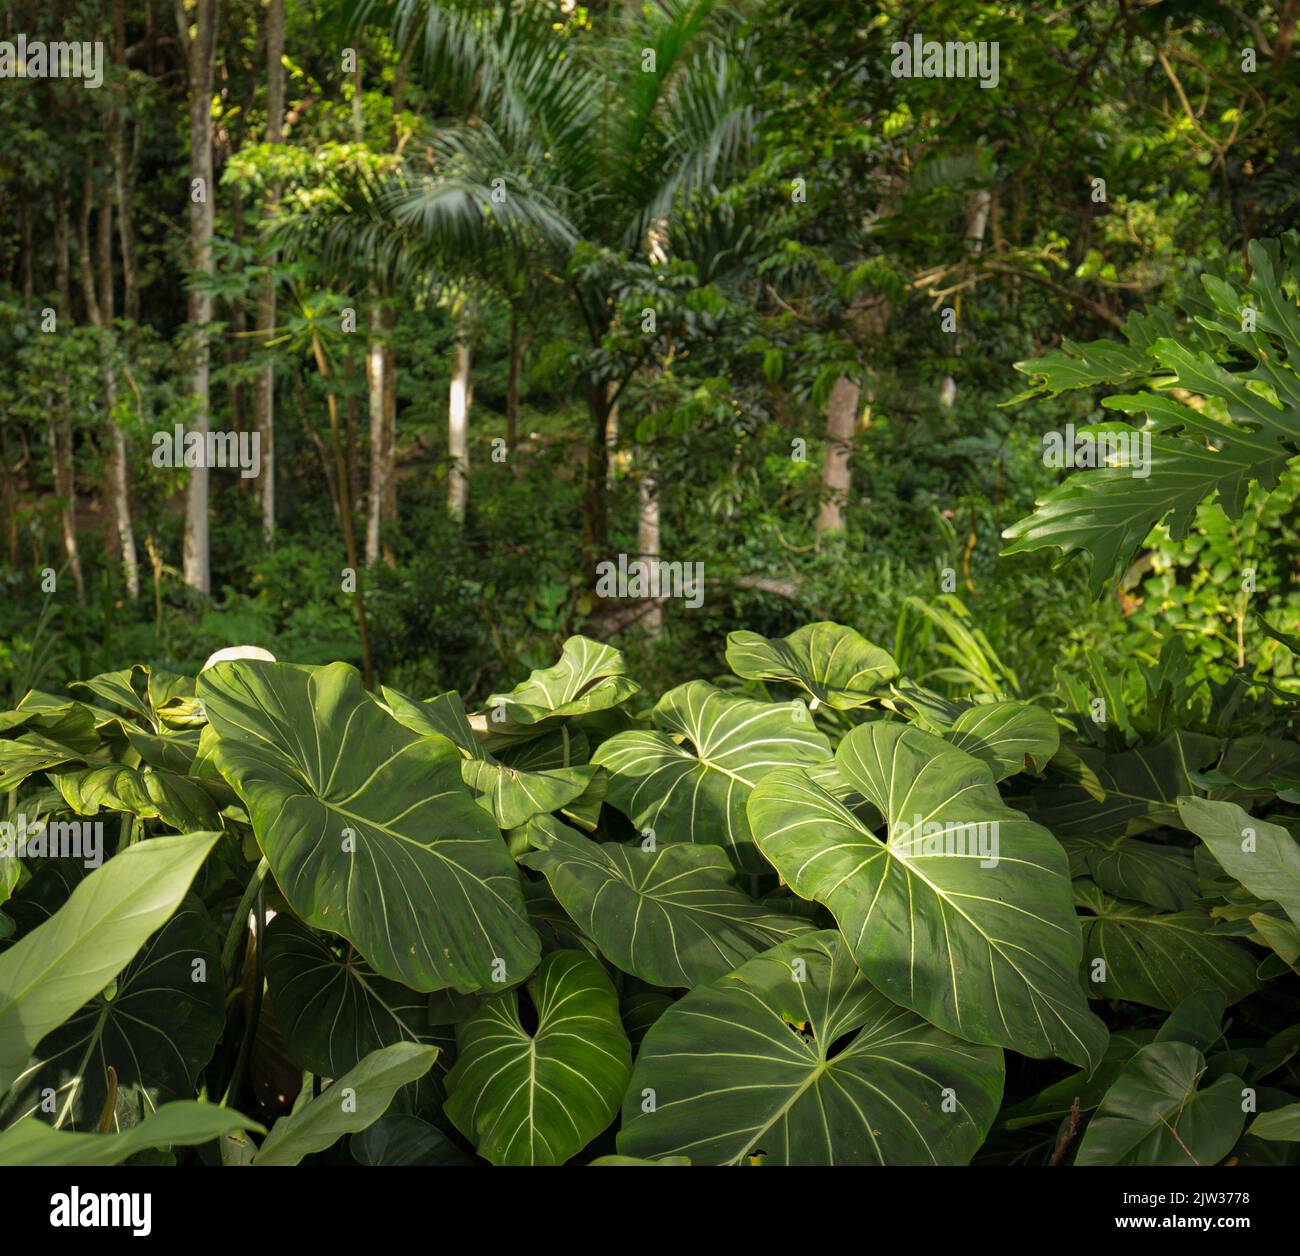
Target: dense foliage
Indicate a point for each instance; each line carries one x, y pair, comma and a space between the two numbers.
898, 769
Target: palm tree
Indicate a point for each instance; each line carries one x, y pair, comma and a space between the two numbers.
566, 152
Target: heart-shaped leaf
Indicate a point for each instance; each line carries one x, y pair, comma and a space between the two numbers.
671, 916
1127, 867
153, 794
367, 826
157, 1031
540, 1096
1156, 1114
49, 973
961, 911
689, 780
590, 676
334, 1009
1131, 951
832, 663
796, 1058
1008, 736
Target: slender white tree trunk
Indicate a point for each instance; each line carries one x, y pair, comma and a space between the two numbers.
264, 385
841, 423
458, 403
376, 360
647, 538
199, 45
977, 218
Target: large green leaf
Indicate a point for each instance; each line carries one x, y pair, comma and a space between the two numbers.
831, 663
671, 916
961, 911
156, 1026
1157, 1114
401, 1139
1141, 788
1008, 736
690, 778
796, 1058
1127, 867
334, 1009
367, 826
1279, 1125
151, 793
181, 1124
590, 676
514, 795
47, 975
349, 1104
1264, 857
1157, 958
540, 1097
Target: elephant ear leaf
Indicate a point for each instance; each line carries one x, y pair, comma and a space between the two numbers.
795, 1058
1157, 1113
1008, 736
671, 916
589, 677
367, 827
831, 663
690, 777
539, 1095
961, 911
61, 964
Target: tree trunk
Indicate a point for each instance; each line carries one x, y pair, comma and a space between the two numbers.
377, 386
647, 538
595, 515
123, 175
977, 217
390, 432
264, 385
119, 487
458, 403
59, 436
841, 423
345, 508
199, 47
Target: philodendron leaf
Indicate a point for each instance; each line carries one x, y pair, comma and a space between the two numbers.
401, 1139
589, 677
181, 1124
690, 778
349, 1104
797, 1059
1280, 1125
158, 1029
152, 794
47, 975
831, 663
367, 826
540, 1097
333, 1007
1131, 951
1128, 867
1008, 736
1155, 1113
514, 795
961, 911
1264, 857
671, 916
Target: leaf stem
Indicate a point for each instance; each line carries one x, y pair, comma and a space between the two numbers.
230, 952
